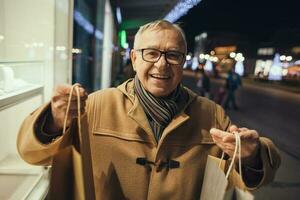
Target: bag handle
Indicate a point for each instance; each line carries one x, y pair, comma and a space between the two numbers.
85, 150
237, 150
76, 87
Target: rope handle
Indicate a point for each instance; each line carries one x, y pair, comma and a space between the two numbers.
76, 87
237, 150
86, 160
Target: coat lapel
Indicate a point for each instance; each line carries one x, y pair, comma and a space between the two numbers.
177, 121
137, 114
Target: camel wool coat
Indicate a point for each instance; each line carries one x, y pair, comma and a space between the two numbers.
127, 161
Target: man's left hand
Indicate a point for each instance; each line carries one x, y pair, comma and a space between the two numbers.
249, 143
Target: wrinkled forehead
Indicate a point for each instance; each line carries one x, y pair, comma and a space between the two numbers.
155, 34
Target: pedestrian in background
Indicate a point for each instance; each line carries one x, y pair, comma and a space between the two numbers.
233, 82
203, 84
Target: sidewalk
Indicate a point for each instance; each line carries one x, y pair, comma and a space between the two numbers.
272, 84
286, 184
279, 85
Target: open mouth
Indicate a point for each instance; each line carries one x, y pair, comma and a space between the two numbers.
160, 76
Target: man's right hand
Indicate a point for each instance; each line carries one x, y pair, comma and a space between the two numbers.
59, 102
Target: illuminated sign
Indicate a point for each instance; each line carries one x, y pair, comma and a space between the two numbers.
265, 51
225, 50
122, 39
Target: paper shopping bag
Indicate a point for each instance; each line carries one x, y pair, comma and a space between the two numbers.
217, 187
71, 176
63, 173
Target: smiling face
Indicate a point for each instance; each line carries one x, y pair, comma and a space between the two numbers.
159, 78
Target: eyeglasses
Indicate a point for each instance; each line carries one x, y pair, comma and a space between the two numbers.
153, 55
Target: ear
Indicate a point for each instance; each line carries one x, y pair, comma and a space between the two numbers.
133, 58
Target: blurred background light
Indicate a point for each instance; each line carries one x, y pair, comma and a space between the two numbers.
119, 16
275, 72
180, 9
232, 54
289, 58
188, 57
208, 66
195, 63
86, 25
239, 68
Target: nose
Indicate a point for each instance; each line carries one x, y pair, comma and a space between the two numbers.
162, 62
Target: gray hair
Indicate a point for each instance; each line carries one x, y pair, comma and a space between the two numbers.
159, 25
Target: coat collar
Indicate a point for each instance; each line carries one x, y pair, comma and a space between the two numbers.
137, 112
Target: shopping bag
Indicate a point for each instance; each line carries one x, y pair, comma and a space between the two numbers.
72, 174
65, 169
218, 185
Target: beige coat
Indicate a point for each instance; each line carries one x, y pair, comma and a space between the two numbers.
120, 133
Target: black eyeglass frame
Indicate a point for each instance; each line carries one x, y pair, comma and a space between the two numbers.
161, 53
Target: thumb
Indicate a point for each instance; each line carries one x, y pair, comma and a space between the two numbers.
233, 128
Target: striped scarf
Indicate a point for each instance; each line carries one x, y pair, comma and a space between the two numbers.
160, 111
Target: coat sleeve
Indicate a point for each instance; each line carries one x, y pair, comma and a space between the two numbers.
270, 160
30, 148
222, 121
268, 153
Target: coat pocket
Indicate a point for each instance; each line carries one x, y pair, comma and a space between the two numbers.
137, 137
191, 138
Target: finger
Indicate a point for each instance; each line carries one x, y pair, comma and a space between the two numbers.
243, 129
62, 89
229, 150
77, 84
217, 139
229, 146
220, 142
81, 90
218, 133
249, 135
66, 98
230, 138
59, 97
233, 128
59, 105
245, 135
74, 106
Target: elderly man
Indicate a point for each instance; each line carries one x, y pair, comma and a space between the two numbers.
150, 136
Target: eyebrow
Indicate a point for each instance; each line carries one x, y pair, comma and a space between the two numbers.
169, 49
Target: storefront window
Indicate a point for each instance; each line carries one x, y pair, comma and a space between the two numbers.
88, 42
35, 54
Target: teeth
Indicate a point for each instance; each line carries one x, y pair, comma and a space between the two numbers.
160, 76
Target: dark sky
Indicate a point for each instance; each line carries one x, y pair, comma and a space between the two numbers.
260, 22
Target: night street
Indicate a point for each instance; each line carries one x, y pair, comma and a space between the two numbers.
275, 114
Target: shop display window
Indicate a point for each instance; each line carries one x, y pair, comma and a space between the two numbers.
35, 55
19, 77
